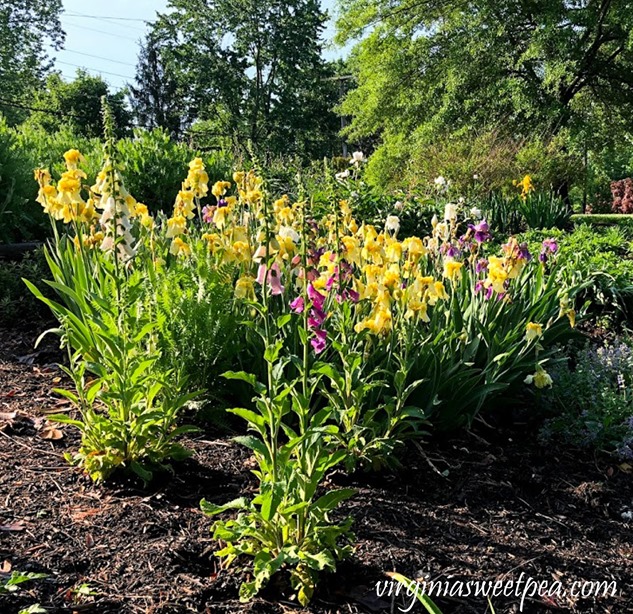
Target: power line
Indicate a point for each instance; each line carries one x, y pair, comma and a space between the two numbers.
127, 38
106, 20
105, 72
18, 105
73, 14
98, 57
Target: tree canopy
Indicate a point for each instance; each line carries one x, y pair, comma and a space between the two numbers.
529, 67
25, 27
250, 69
77, 104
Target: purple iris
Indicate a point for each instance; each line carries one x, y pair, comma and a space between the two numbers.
524, 252
450, 251
549, 247
481, 266
481, 231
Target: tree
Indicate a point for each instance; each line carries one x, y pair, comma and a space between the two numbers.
25, 27
252, 70
158, 99
78, 104
431, 67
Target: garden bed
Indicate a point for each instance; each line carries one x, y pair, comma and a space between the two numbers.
506, 506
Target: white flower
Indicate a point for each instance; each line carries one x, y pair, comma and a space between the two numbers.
393, 224
461, 200
342, 176
259, 254
434, 221
476, 213
398, 206
357, 158
450, 211
288, 232
109, 210
475, 176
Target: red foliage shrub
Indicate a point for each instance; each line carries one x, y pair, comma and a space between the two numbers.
622, 196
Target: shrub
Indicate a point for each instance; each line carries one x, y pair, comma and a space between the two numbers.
532, 210
607, 219
603, 256
154, 165
622, 192
592, 400
19, 214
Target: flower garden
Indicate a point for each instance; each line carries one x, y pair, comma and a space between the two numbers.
336, 350
329, 309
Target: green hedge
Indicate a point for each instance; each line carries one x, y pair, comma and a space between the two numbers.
603, 219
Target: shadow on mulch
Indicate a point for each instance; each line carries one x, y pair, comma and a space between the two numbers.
504, 506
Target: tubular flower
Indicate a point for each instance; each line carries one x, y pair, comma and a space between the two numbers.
197, 180
533, 331
176, 226
72, 158
179, 248
271, 277
245, 288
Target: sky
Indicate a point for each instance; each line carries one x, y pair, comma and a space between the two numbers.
104, 37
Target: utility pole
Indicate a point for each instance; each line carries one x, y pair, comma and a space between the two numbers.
341, 91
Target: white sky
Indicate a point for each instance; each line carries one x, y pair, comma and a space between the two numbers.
104, 37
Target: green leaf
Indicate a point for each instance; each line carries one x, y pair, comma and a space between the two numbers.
142, 473
332, 499
211, 509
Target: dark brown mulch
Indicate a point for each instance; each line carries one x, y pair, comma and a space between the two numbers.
505, 506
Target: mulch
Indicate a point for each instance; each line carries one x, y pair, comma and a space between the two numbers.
489, 505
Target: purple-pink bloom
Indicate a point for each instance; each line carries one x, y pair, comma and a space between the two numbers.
207, 213
352, 295
550, 245
316, 318
318, 342
316, 297
450, 250
273, 278
298, 305
524, 252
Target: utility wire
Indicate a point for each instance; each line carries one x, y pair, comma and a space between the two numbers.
73, 14
98, 57
18, 105
105, 72
106, 21
76, 25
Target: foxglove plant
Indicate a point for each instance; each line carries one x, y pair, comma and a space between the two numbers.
128, 401
287, 525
